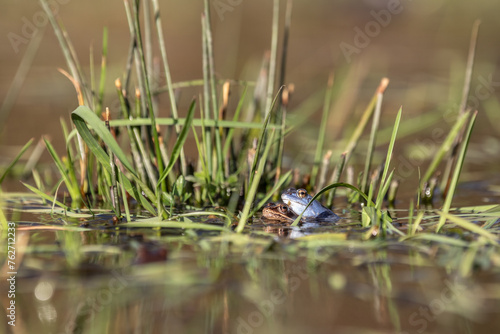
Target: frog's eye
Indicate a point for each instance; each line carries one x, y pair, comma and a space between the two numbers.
283, 208
302, 193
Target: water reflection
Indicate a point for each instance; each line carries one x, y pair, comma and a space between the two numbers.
44, 290
245, 284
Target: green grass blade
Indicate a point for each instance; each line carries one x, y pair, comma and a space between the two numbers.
124, 196
82, 115
45, 196
146, 161
4, 224
336, 178
445, 147
64, 127
463, 103
102, 79
470, 65
200, 83
272, 58
148, 42
38, 182
284, 48
230, 133
16, 159
410, 126
202, 161
384, 182
65, 172
135, 27
325, 189
196, 122
207, 32
467, 225
384, 187
283, 179
179, 143
175, 224
417, 222
79, 118
168, 78
353, 141
438, 239
206, 98
261, 139
456, 173
373, 139
255, 180
70, 167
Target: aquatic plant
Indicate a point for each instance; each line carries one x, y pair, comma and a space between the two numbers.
128, 162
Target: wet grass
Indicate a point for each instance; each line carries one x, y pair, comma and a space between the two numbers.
239, 162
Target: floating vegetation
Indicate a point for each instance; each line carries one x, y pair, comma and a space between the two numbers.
126, 163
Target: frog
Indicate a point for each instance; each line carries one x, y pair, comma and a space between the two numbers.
278, 212
297, 200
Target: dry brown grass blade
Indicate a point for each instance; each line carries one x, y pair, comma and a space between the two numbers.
75, 84
83, 148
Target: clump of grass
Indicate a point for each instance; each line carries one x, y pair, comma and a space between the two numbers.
240, 160
156, 175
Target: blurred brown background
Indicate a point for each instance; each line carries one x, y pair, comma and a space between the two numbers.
422, 49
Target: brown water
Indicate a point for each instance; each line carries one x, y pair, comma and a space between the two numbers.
102, 278
267, 292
